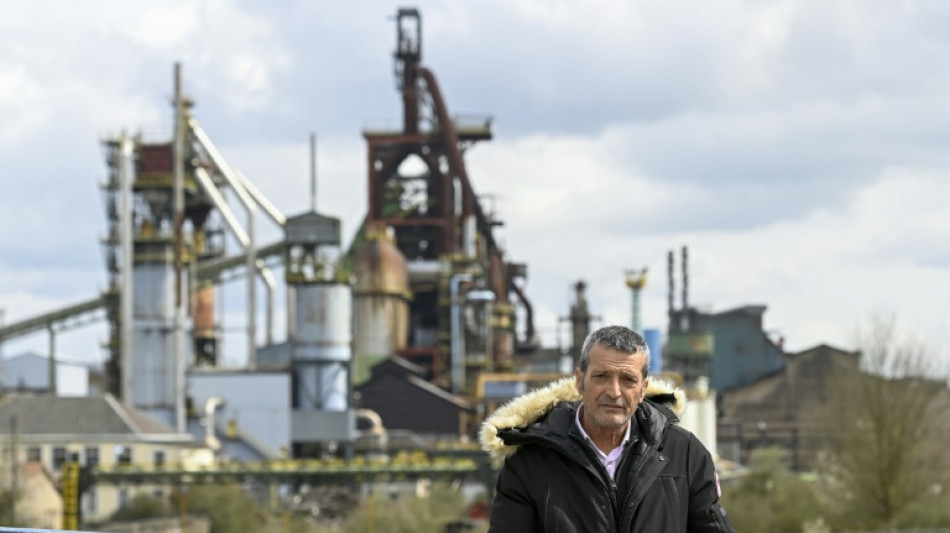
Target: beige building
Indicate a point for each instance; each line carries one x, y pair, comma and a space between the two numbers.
40, 504
95, 432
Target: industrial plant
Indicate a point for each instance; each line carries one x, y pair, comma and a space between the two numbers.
423, 283
398, 340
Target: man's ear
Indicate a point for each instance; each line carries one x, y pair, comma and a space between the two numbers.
579, 380
643, 391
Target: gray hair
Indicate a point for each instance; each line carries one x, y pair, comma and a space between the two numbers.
620, 338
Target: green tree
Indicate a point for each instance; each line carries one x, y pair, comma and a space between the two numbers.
229, 507
884, 463
141, 507
408, 514
770, 498
6, 510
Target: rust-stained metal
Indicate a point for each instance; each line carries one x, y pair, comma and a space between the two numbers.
436, 216
380, 296
206, 351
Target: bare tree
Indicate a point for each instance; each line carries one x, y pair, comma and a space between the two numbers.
884, 454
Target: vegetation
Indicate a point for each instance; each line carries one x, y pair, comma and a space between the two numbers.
408, 513
883, 466
885, 463
229, 507
770, 498
6, 510
141, 507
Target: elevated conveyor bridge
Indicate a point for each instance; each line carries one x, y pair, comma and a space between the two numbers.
93, 310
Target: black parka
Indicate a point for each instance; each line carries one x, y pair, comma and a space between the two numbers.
553, 482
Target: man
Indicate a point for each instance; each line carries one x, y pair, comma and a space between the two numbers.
613, 461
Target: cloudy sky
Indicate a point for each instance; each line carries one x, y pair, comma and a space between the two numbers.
800, 149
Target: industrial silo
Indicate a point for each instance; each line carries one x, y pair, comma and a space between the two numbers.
380, 299
320, 332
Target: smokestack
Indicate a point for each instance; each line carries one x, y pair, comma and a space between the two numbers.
580, 319
672, 285
684, 318
313, 172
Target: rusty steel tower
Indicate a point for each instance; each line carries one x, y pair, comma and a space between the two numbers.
419, 187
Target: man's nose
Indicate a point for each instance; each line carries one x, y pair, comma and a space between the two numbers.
613, 388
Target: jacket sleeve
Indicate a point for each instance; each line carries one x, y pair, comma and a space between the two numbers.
512, 509
705, 514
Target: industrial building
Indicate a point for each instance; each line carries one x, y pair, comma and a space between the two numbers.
779, 409
424, 279
420, 311
32, 372
95, 432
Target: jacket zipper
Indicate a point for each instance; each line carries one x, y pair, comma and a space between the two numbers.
609, 483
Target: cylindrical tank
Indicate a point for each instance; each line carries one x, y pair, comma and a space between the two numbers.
380, 298
203, 309
153, 375
321, 346
503, 336
502, 347
652, 336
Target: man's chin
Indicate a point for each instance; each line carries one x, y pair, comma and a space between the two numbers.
612, 423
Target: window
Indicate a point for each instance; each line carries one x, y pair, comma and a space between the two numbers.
159, 459
123, 455
92, 456
33, 454
124, 498
59, 457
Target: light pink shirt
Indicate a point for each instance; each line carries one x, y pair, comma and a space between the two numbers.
609, 460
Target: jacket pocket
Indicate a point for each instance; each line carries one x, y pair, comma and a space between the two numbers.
669, 488
675, 509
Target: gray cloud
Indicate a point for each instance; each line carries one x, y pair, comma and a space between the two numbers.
750, 131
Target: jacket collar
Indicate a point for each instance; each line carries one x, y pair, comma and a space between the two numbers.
525, 410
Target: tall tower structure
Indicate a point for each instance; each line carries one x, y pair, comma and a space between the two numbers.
580, 319
167, 215
636, 280
150, 196
419, 187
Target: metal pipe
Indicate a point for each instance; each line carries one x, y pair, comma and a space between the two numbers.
269, 208
178, 217
458, 344
235, 182
204, 181
313, 172
291, 312
670, 306
685, 266
52, 360
210, 407
376, 421
468, 236
487, 298
635, 311
126, 288
270, 283
179, 220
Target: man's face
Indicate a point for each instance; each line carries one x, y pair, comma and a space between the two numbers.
612, 387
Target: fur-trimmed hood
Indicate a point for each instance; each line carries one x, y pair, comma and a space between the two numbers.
526, 409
